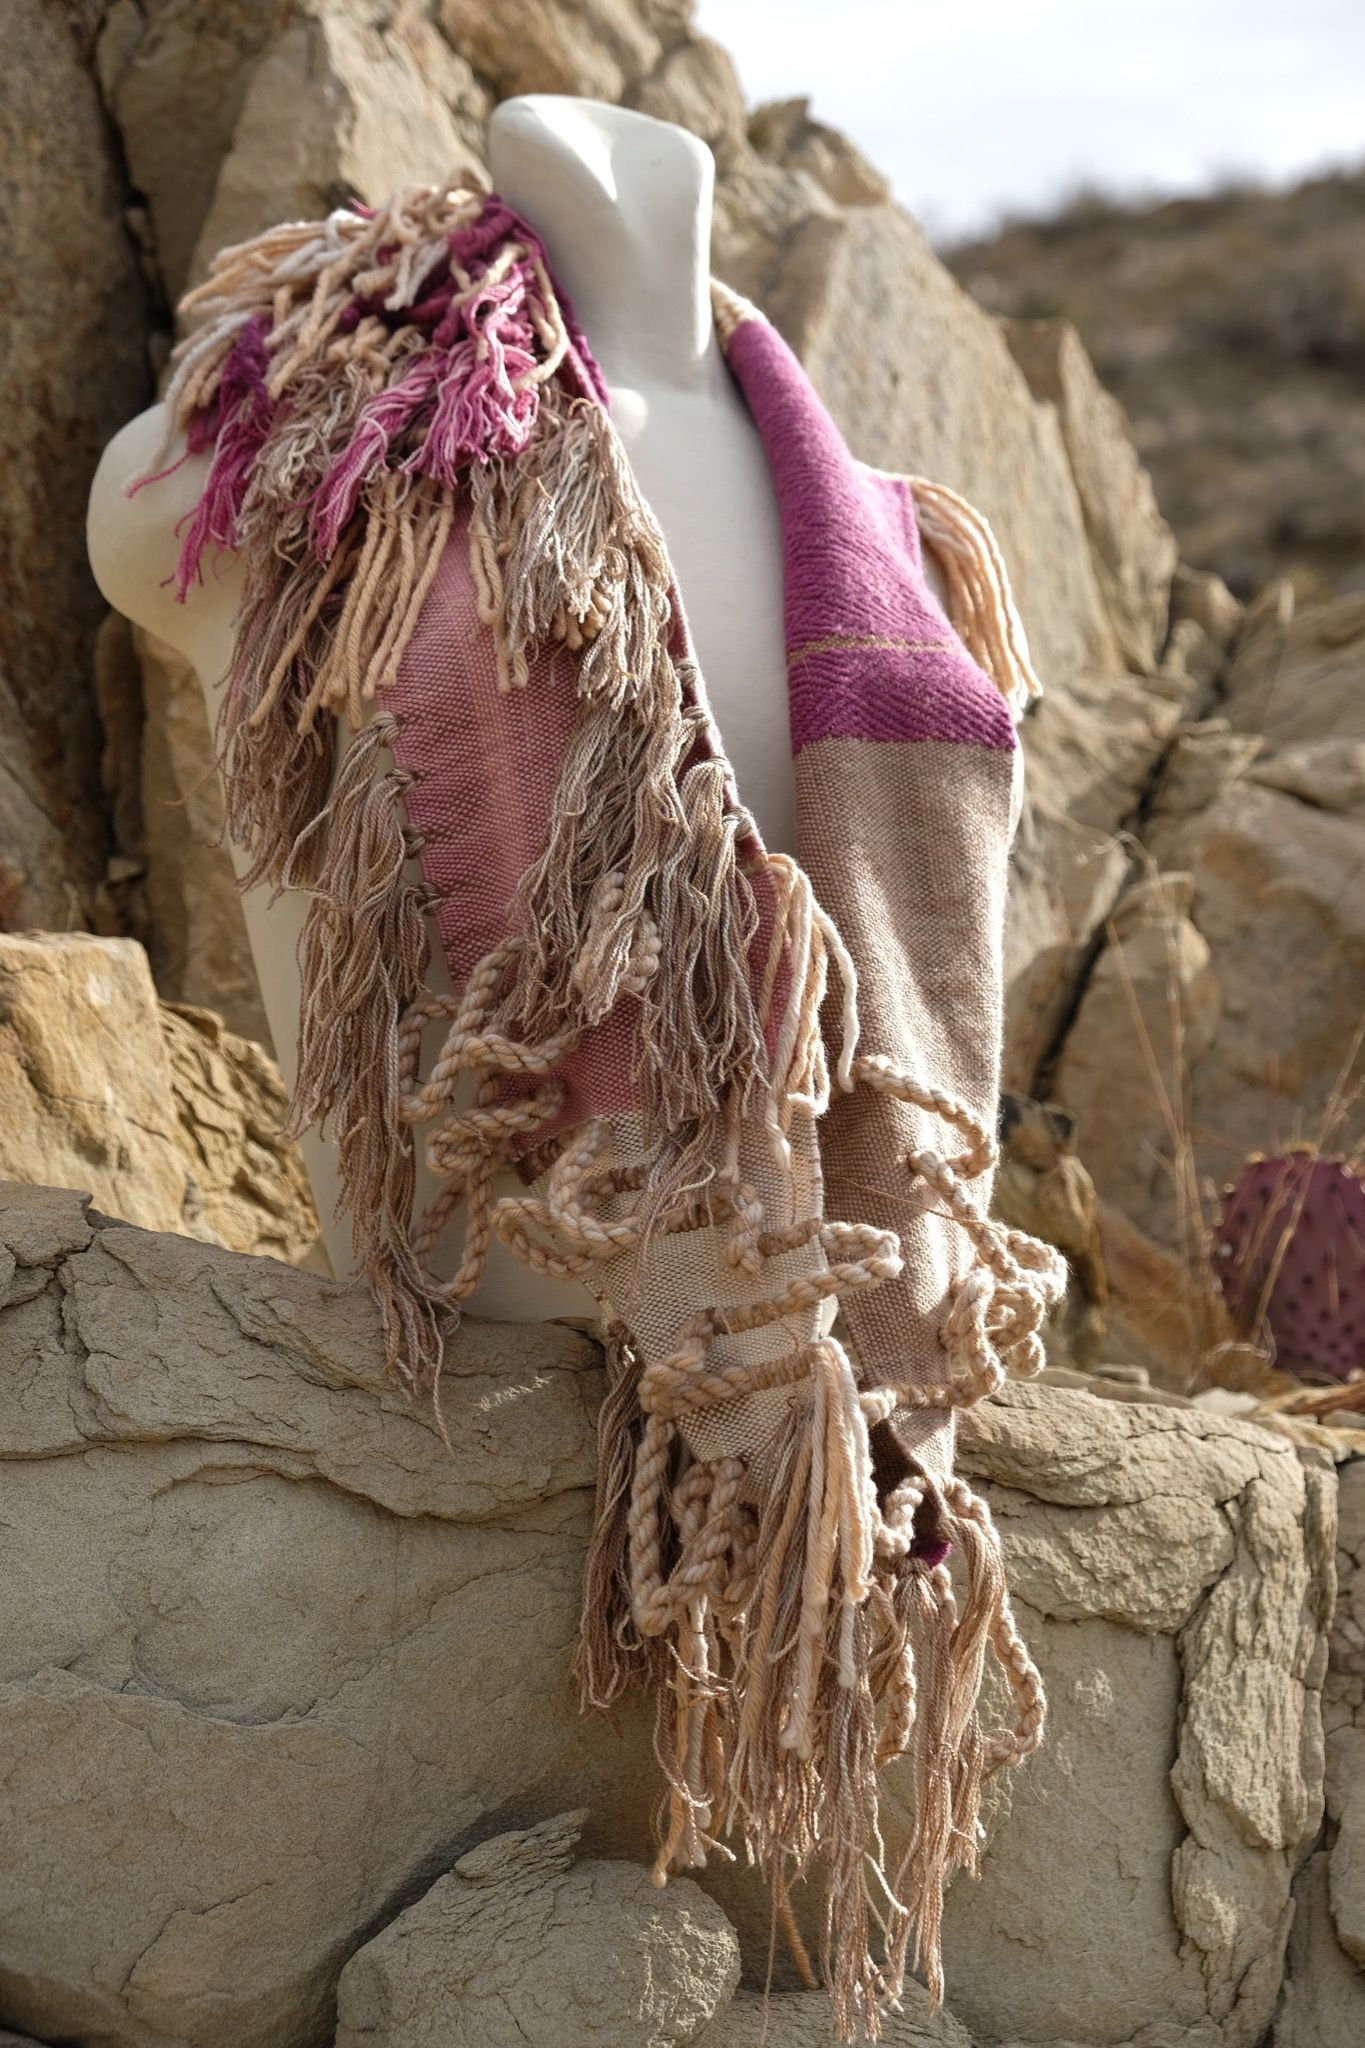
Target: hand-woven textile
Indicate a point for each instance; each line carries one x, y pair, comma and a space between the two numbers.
741, 1089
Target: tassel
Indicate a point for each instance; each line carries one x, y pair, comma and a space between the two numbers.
362, 961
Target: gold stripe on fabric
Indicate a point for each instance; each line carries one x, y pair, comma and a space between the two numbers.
862, 641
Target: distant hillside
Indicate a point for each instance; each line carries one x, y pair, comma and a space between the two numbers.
1233, 330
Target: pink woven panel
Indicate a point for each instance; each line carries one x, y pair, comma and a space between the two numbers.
485, 764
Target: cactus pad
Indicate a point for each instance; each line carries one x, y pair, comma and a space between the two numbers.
1290, 1251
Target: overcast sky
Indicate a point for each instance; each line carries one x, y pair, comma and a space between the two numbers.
974, 106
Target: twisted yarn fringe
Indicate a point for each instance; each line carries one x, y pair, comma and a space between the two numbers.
799, 1629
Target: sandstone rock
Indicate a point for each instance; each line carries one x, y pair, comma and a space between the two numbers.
196, 934
1205, 621
163, 1115
261, 1624
1206, 757
85, 1085
1296, 671
1328, 773
517, 1947
1150, 1008
696, 86
237, 114
1278, 903
231, 1106
1064, 881
1132, 547
598, 49
1091, 748
1172, 1573
349, 102
1345, 1713
800, 2019
1324, 1996
176, 77
784, 132
73, 367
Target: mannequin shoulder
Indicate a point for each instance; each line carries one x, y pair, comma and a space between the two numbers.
131, 540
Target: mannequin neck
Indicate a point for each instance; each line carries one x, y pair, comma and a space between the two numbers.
623, 204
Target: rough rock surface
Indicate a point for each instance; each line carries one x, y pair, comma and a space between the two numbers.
1296, 671
196, 931
85, 1085
1150, 1008
230, 1106
73, 367
361, 100
1132, 547
1345, 1718
261, 1623
1323, 2005
1172, 1573
800, 2019
163, 1115
1278, 903
520, 1947
1064, 881
1091, 749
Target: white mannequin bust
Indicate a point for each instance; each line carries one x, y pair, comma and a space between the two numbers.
623, 203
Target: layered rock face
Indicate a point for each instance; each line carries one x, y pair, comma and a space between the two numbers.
281, 1661
158, 1111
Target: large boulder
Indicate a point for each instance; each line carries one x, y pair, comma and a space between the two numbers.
1133, 549
1324, 1995
85, 1085
520, 1947
1276, 898
73, 367
167, 1118
279, 1658
196, 932
271, 1653
1149, 1010
1172, 1571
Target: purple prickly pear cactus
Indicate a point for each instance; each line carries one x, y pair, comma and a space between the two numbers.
1292, 1246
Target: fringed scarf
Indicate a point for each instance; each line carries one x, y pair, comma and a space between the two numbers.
741, 1089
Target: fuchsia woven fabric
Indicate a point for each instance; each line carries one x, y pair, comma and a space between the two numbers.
852, 568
